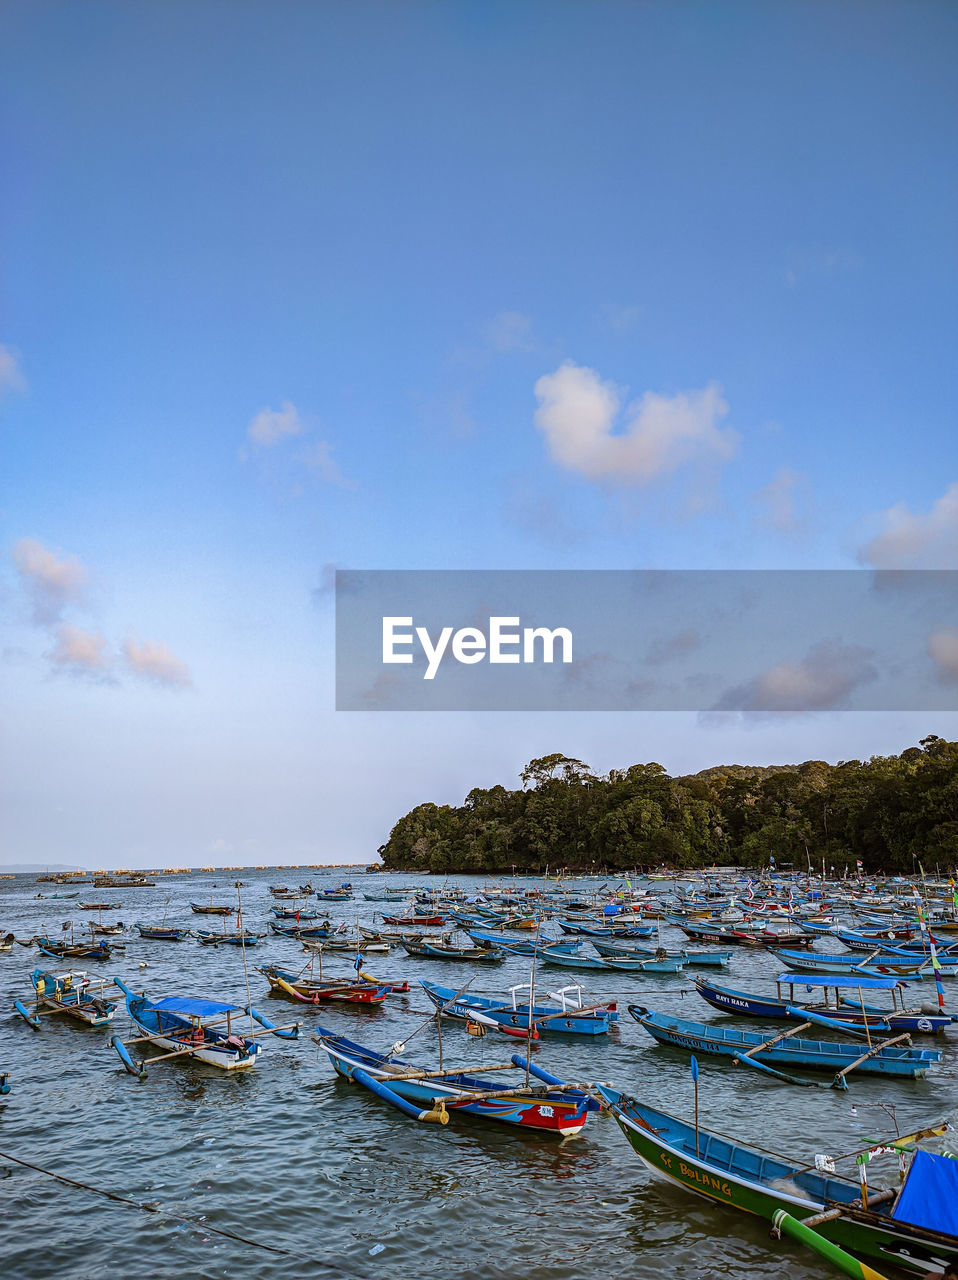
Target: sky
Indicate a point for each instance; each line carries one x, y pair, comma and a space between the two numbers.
525, 285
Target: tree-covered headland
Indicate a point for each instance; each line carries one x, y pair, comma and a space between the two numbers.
889, 812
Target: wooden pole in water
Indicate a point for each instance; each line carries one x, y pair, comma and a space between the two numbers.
695, 1083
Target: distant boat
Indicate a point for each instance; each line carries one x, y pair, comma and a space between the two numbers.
211, 909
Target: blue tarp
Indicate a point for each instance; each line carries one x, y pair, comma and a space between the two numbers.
929, 1197
191, 1007
836, 980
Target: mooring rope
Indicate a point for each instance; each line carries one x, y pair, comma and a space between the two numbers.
198, 1223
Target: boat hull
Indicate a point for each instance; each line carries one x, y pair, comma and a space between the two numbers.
725, 1180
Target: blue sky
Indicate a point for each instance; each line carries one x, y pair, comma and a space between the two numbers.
280, 284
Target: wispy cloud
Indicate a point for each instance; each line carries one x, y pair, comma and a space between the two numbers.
619, 318
272, 425
11, 376
821, 681
665, 648
320, 461
943, 651
783, 502
82, 653
155, 661
588, 432
51, 581
916, 540
510, 331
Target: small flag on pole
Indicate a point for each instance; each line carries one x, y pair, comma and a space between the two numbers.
695, 1067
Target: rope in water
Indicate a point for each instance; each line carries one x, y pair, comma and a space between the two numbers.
182, 1217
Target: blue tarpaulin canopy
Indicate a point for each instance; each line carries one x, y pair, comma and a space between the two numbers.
192, 1007
836, 980
929, 1197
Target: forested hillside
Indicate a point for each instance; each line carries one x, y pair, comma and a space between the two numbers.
891, 812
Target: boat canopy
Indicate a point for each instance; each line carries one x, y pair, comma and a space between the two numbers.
193, 1007
929, 1197
836, 980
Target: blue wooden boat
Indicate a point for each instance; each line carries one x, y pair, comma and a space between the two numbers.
626, 964
749, 1049
74, 993
523, 946
423, 948
833, 1009
881, 965
568, 1017
75, 950
5, 1085
300, 930
296, 913
688, 958
915, 1229
161, 932
188, 1026
606, 931
552, 1107
231, 938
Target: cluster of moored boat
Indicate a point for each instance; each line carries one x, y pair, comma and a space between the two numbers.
836, 1015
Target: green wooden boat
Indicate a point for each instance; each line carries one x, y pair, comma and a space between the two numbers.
911, 1227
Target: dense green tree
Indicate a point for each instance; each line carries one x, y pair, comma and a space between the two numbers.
893, 813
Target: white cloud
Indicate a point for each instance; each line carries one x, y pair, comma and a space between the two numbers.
155, 661
943, 651
81, 652
272, 425
821, 681
51, 582
320, 460
911, 540
11, 378
659, 434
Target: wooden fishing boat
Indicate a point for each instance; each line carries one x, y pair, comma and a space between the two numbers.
319, 990
425, 949
187, 1026
331, 943
211, 908
627, 964
571, 1017
5, 1085
414, 922
884, 1058
75, 950
875, 965
689, 956
834, 1009
385, 897
888, 1226
522, 947
161, 932
606, 931
73, 993
300, 930
550, 1107
7, 941
298, 913
229, 938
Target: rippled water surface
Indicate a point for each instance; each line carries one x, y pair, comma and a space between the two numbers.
292, 1159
